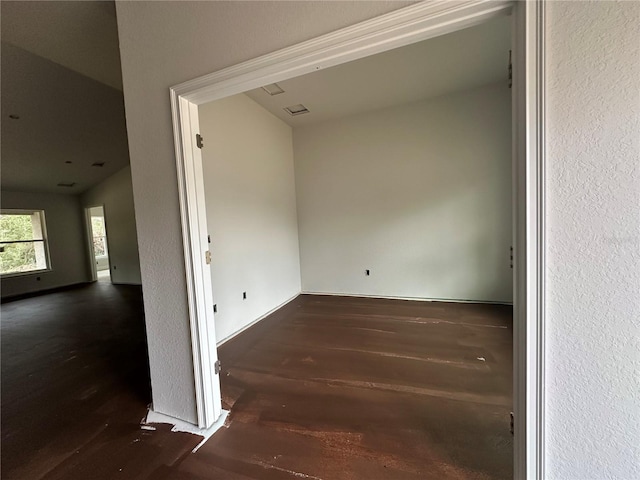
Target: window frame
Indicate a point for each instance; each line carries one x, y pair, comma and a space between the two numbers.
44, 240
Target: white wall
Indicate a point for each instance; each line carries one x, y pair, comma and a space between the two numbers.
593, 240
116, 195
419, 194
65, 237
163, 44
592, 193
251, 210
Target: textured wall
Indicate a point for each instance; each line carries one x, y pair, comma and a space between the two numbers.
592, 189
163, 44
116, 194
419, 194
251, 211
593, 240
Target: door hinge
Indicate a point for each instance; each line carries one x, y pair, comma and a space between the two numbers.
512, 424
511, 257
199, 140
217, 367
207, 257
510, 71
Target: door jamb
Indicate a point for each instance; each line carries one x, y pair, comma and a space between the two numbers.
399, 28
89, 230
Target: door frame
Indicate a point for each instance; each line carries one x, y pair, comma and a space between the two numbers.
89, 229
399, 28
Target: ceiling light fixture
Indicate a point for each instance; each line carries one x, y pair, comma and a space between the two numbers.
67, 185
273, 89
298, 109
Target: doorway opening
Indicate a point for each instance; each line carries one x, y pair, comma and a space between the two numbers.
404, 27
101, 267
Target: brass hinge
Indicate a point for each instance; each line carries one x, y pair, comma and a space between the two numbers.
207, 257
217, 367
199, 140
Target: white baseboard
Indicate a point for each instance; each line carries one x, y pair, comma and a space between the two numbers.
415, 299
182, 426
261, 317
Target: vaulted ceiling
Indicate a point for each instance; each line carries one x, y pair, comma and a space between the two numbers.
61, 76
62, 103
79, 35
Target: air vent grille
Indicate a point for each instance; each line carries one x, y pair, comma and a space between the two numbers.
298, 109
273, 89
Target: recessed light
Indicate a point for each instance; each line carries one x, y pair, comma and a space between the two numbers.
67, 185
14, 117
273, 89
298, 109
98, 164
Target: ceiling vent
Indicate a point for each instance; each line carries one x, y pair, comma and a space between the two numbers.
273, 89
98, 164
67, 185
296, 109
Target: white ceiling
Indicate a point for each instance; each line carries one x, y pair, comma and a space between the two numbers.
457, 61
79, 35
61, 75
64, 117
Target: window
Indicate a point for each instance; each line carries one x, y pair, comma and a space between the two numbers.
99, 236
23, 242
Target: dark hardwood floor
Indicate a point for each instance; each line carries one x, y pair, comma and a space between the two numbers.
75, 385
326, 388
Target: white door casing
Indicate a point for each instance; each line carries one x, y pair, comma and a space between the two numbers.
399, 28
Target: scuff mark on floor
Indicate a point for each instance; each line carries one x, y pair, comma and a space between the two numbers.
286, 470
463, 396
408, 357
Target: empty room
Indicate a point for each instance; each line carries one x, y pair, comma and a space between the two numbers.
348, 314
359, 225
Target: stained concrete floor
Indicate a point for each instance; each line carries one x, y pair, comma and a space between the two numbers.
326, 388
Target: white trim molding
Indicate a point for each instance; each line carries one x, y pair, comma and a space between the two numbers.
529, 238
399, 28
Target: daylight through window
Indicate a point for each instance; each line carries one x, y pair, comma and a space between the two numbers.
23, 244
